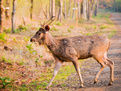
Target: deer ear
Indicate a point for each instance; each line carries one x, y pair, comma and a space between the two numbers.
47, 28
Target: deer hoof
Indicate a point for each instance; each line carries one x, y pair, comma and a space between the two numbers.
110, 83
95, 81
81, 86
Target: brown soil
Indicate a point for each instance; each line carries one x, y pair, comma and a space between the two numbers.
90, 67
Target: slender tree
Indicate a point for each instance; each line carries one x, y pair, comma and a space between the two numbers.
50, 5
7, 9
96, 7
60, 11
31, 9
85, 9
79, 11
88, 10
13, 16
74, 10
69, 8
52, 8
65, 10
1, 16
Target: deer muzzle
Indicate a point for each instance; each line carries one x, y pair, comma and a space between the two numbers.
32, 40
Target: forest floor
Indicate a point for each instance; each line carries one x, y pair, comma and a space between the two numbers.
29, 67
90, 67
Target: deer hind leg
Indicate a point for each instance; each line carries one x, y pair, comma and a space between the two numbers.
101, 60
111, 65
56, 69
97, 75
76, 65
104, 61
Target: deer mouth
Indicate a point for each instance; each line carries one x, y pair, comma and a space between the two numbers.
32, 40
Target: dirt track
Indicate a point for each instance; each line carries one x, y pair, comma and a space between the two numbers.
114, 54
90, 67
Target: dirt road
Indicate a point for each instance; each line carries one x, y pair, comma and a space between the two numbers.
90, 67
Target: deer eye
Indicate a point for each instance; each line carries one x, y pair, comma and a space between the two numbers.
39, 33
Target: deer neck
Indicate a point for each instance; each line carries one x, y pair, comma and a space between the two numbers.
50, 42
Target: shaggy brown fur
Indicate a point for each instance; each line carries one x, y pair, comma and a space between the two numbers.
73, 48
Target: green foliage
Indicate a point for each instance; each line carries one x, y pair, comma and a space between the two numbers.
20, 28
7, 30
89, 34
30, 49
58, 23
4, 82
71, 27
2, 37
101, 15
42, 85
81, 21
23, 87
6, 60
48, 62
26, 39
54, 29
62, 75
103, 26
112, 33
69, 30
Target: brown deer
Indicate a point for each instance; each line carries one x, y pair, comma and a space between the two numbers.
73, 48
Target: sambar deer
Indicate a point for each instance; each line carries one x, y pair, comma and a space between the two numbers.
73, 48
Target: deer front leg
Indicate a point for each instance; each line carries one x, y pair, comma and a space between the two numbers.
76, 65
56, 69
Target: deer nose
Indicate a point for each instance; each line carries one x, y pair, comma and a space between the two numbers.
32, 40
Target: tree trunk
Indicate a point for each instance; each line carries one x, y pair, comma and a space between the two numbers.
79, 11
85, 9
65, 10
60, 10
31, 9
74, 10
69, 9
1, 16
50, 5
52, 8
13, 16
88, 10
96, 7
7, 9
91, 7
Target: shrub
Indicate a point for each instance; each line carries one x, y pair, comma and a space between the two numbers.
2, 37
4, 81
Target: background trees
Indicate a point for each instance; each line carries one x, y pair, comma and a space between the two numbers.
1, 16
38, 10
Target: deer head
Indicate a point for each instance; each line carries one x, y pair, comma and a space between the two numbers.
41, 33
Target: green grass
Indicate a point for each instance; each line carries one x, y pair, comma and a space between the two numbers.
103, 26
4, 82
69, 30
54, 29
2, 37
112, 33
6, 60
58, 23
62, 75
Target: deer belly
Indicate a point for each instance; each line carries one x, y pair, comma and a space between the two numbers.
84, 54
